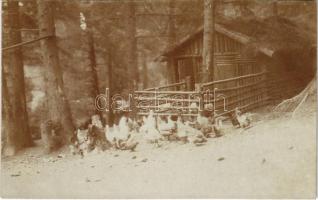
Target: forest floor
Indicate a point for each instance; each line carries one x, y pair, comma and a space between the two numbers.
275, 158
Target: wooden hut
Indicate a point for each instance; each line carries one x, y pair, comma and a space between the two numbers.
247, 48
230, 61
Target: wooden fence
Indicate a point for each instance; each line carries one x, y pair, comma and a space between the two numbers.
245, 92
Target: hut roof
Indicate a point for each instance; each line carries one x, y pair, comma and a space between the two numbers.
264, 35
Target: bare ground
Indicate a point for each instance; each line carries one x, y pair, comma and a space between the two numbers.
276, 158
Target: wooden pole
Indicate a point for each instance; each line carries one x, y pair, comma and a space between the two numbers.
172, 23
171, 40
208, 35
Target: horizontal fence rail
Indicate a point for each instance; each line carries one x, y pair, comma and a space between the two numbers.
234, 79
166, 92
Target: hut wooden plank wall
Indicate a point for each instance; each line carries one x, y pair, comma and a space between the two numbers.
229, 60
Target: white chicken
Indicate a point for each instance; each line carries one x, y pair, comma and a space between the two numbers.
244, 120
166, 127
204, 124
111, 133
132, 125
96, 121
123, 128
149, 129
202, 121
127, 140
209, 107
193, 107
185, 131
120, 136
218, 126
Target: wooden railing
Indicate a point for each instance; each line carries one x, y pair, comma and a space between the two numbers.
234, 79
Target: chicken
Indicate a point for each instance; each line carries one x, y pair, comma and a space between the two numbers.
149, 129
129, 144
187, 133
124, 139
204, 124
202, 121
181, 129
218, 126
120, 136
166, 127
111, 133
132, 125
96, 121
209, 107
150, 121
244, 120
233, 119
123, 128
193, 105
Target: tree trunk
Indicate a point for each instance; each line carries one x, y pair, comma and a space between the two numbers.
171, 38
8, 132
93, 65
208, 34
16, 79
57, 105
132, 49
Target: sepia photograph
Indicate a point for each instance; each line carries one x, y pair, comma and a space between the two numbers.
157, 99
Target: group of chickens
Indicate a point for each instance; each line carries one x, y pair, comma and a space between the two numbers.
152, 129
156, 129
